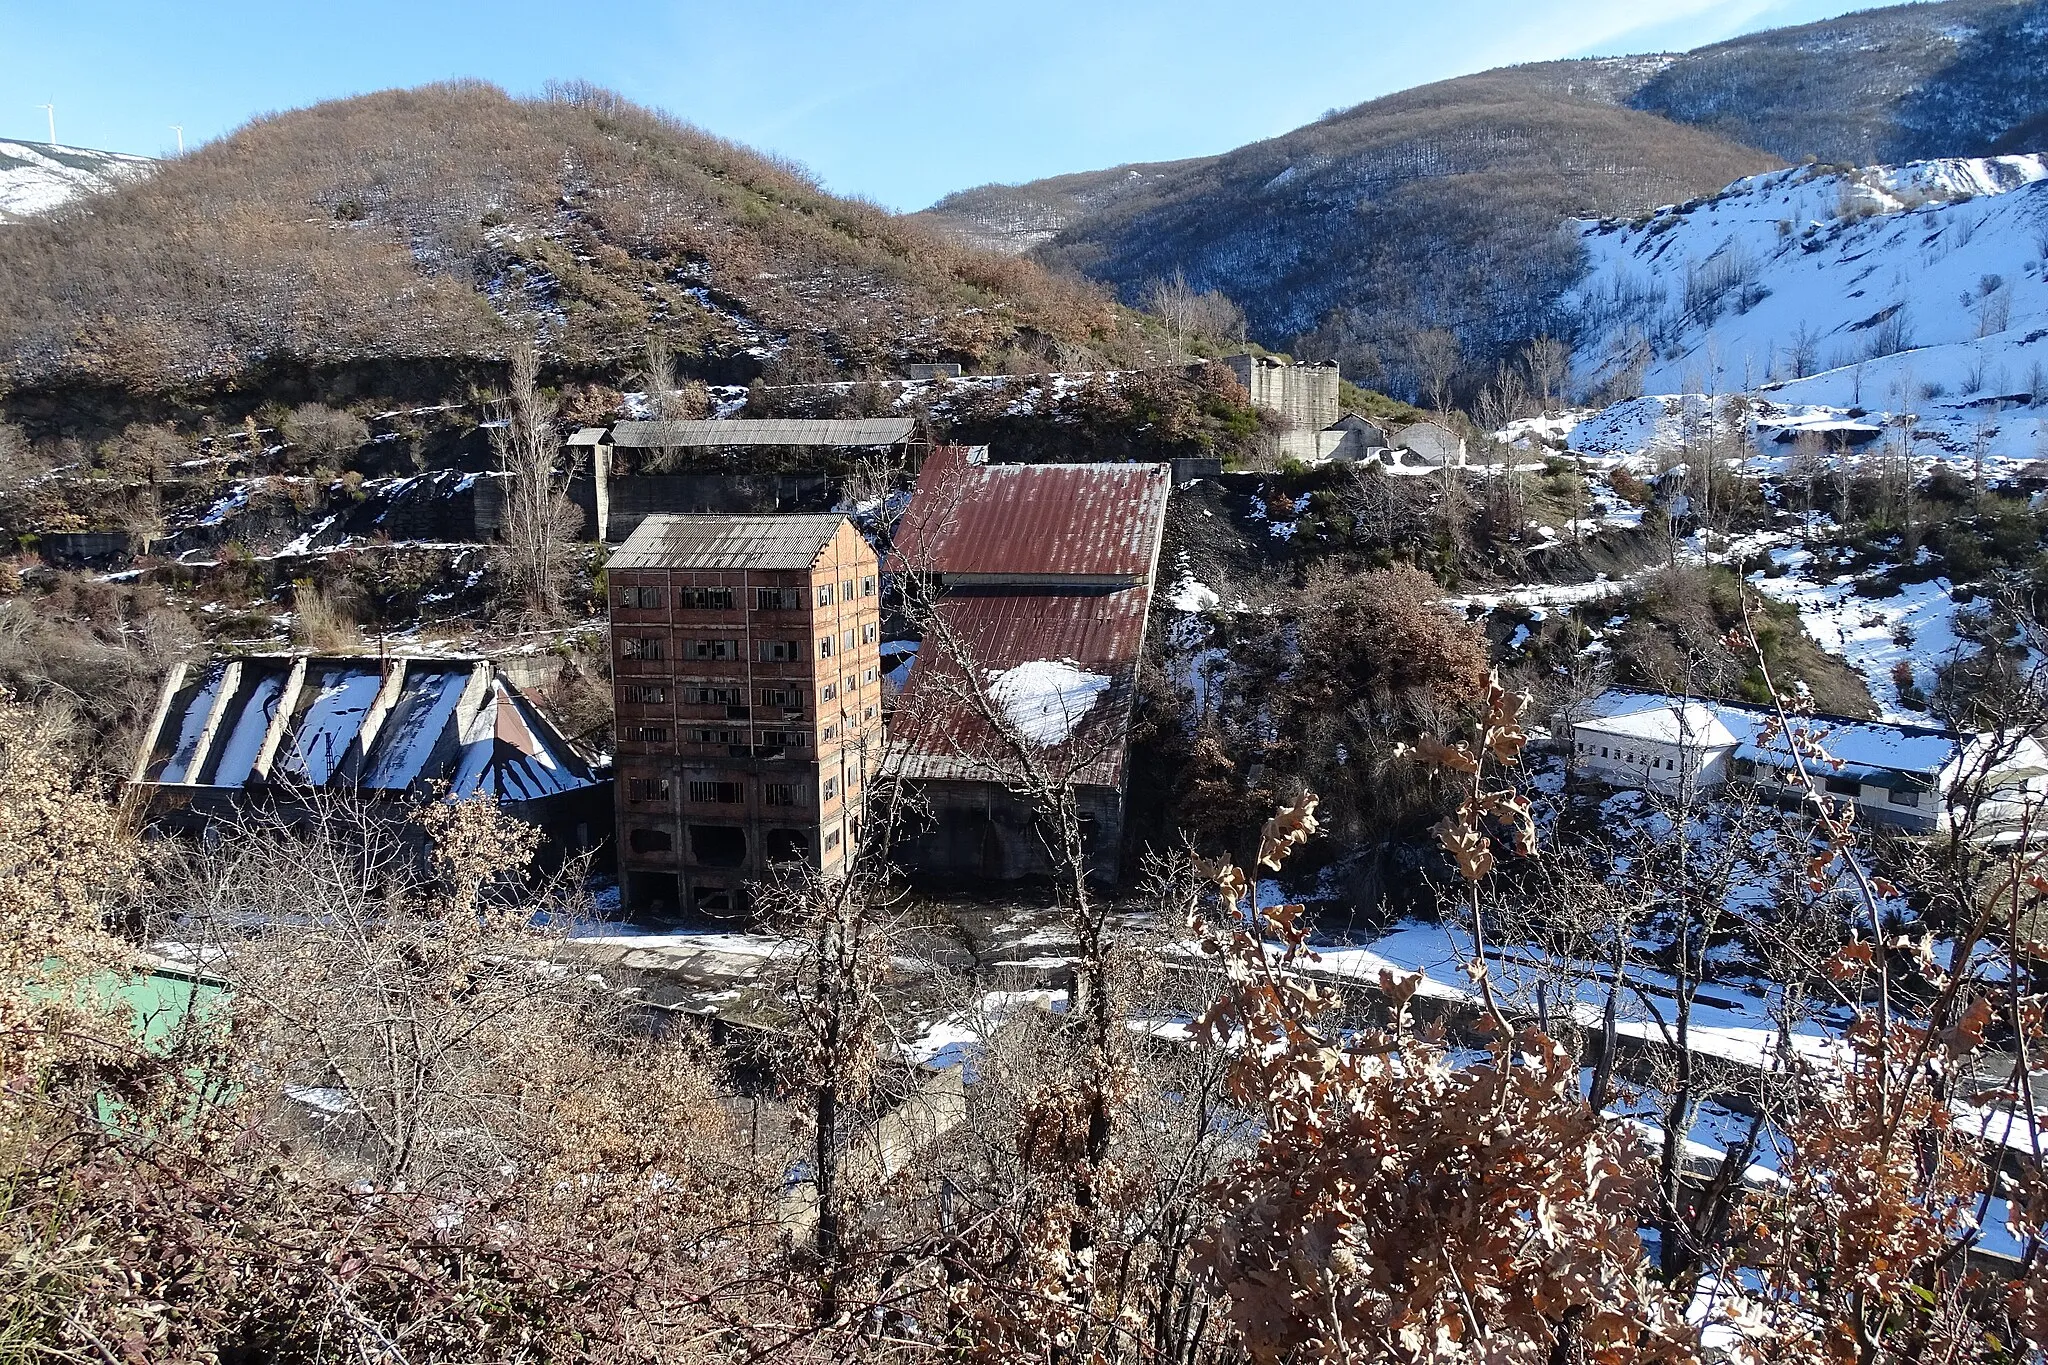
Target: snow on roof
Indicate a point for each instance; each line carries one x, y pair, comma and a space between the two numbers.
379, 724
1917, 749
1867, 744
1062, 665
1046, 698
1665, 720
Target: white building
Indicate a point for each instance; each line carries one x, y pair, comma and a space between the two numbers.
1652, 742
1904, 776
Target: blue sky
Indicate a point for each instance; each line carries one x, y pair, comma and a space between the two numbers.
900, 102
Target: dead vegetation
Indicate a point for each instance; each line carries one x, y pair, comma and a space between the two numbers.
406, 223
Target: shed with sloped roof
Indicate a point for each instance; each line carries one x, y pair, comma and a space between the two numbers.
279, 726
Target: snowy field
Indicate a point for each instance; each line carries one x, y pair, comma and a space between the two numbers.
36, 177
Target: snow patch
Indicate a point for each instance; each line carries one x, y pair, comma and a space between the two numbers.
1046, 698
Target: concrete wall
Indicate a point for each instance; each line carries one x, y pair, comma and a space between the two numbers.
65, 549
1306, 395
979, 831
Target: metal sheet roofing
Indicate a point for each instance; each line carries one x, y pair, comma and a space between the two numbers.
942, 734
393, 724
776, 431
1034, 521
791, 541
587, 436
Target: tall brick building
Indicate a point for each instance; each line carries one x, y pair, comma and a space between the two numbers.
746, 674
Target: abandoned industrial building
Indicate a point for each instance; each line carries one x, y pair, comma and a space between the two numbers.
732, 466
1044, 575
748, 693
276, 726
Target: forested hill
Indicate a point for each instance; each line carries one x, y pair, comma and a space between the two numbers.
410, 225
1436, 207
1442, 206
1959, 78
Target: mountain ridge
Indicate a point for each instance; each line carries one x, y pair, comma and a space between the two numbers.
1445, 206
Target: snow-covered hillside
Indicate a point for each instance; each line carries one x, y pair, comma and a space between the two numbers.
1919, 289
36, 177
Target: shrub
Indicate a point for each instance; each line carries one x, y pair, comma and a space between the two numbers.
323, 620
320, 435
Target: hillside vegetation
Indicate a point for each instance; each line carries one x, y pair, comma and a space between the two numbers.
413, 223
1962, 78
1438, 207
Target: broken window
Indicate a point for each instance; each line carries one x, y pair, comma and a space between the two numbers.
651, 841
715, 792
718, 845
788, 846
707, 599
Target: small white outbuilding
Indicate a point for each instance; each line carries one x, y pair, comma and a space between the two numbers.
1656, 742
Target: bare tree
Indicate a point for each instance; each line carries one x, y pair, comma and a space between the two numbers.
1192, 315
659, 378
539, 518
1504, 398
1548, 362
1438, 359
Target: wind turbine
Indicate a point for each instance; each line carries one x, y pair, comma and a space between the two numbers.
51, 110
179, 129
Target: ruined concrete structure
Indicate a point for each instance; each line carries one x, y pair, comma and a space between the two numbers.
617, 502
281, 725
1304, 394
748, 691
1046, 573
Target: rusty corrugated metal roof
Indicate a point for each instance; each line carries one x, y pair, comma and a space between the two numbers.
940, 734
771, 431
1036, 521
782, 541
